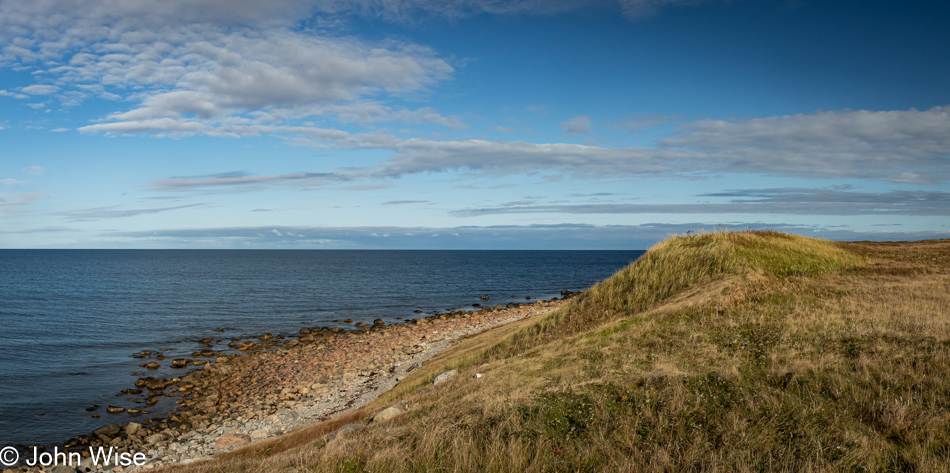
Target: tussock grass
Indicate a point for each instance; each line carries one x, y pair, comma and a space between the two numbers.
727, 352
679, 263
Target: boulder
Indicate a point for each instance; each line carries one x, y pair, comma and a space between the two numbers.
485, 297
133, 428
109, 430
444, 376
114, 409
231, 441
389, 413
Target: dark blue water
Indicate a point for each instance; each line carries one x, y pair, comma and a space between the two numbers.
71, 318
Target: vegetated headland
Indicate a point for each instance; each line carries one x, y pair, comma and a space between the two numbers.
743, 351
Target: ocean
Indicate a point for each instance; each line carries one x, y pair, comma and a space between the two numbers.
72, 318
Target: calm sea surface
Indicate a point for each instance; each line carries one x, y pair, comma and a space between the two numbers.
71, 318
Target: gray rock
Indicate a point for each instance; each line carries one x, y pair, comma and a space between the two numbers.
260, 434
132, 428
444, 376
109, 430
389, 413
231, 441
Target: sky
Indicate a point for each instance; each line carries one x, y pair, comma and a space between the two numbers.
469, 124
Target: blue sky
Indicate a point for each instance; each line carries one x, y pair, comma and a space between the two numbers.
469, 123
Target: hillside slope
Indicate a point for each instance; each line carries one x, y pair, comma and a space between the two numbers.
748, 351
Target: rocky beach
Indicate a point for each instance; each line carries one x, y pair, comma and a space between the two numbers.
263, 387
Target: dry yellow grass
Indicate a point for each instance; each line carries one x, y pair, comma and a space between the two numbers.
749, 351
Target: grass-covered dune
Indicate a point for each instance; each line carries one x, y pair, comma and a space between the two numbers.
748, 351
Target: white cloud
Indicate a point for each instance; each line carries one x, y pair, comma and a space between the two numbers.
755, 201
38, 89
899, 146
11, 182
33, 170
11, 202
238, 180
59, 130
6, 93
503, 129
902, 145
114, 211
578, 124
503, 157
223, 59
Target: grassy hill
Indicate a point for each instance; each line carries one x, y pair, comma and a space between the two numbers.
748, 351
